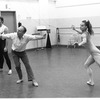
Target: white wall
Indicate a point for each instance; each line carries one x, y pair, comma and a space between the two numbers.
32, 13
77, 10
46, 12
74, 14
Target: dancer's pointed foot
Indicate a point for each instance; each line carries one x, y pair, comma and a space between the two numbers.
90, 83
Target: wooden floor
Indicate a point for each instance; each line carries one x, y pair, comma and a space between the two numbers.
59, 72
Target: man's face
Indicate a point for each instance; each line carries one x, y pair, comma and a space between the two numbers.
20, 32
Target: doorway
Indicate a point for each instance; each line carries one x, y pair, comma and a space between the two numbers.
10, 22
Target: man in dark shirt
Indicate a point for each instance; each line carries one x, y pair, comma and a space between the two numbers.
3, 48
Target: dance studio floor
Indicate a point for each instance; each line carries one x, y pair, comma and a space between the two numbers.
59, 72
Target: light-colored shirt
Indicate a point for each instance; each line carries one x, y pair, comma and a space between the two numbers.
3, 28
19, 45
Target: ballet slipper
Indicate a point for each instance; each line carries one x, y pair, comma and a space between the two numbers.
90, 83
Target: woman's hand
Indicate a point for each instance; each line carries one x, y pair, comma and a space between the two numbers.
76, 45
73, 27
44, 36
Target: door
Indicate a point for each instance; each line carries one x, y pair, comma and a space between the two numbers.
10, 22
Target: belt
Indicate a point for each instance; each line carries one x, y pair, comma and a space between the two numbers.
17, 51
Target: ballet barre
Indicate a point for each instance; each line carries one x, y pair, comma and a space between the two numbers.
66, 32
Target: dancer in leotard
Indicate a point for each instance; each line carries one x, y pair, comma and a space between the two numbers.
86, 35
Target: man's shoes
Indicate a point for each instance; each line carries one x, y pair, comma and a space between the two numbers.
10, 72
34, 83
19, 81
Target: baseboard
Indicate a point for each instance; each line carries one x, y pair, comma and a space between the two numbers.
69, 46
41, 48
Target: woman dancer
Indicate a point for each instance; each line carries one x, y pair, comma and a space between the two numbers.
86, 35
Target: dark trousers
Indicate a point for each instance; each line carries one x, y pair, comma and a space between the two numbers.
23, 56
2, 56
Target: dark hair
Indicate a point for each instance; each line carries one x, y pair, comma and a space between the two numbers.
1, 18
19, 24
89, 27
24, 29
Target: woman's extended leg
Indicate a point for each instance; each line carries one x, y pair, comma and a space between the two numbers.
87, 64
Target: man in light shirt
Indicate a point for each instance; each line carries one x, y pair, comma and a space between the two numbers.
19, 42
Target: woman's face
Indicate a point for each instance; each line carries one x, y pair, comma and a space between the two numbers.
83, 27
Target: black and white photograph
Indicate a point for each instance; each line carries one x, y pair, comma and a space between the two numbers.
49, 49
